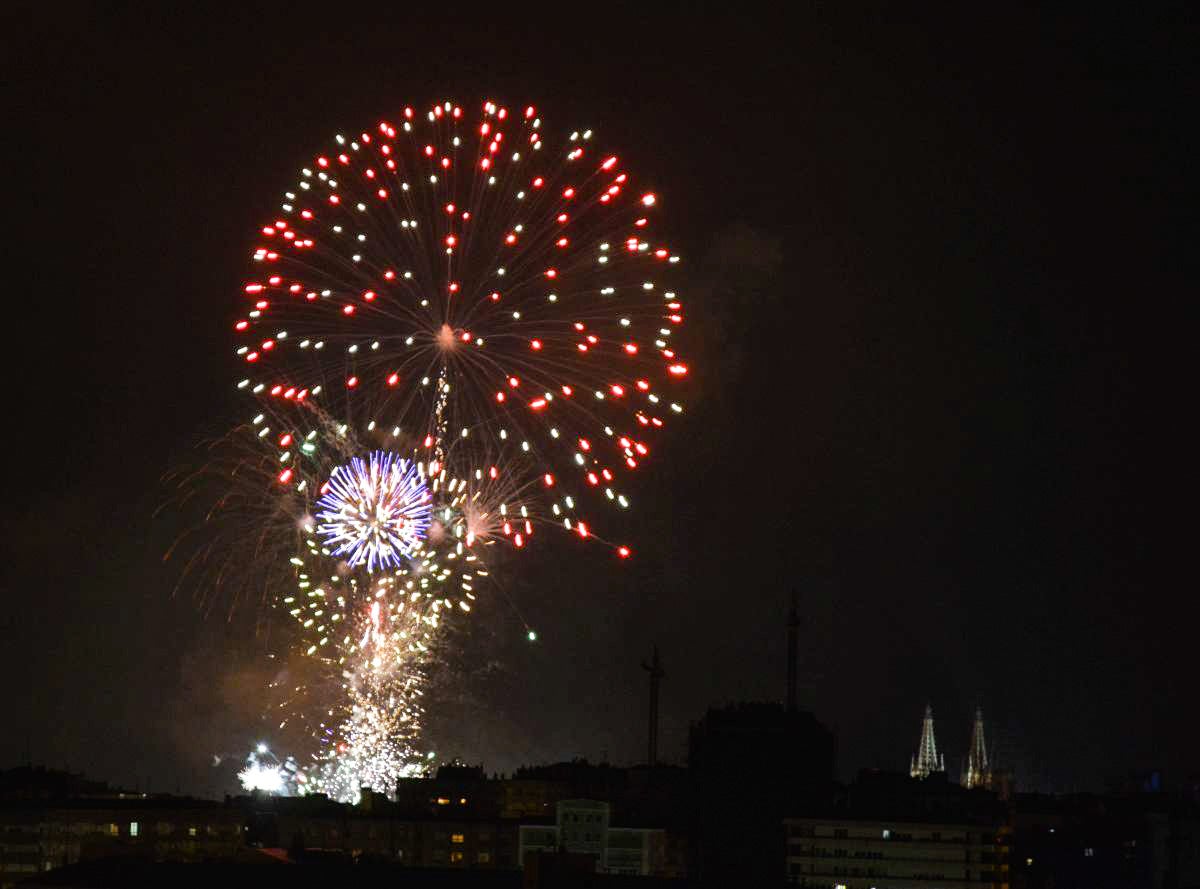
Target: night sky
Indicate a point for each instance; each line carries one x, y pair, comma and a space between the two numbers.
930, 264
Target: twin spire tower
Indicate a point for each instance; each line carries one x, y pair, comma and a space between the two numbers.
927, 761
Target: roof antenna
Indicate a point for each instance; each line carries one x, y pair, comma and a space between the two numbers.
655, 669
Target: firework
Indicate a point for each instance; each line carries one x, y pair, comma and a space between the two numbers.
375, 511
265, 772
372, 746
468, 280
458, 330
354, 646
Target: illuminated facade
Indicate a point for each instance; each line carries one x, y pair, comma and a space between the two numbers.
926, 761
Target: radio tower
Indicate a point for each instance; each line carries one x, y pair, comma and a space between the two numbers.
793, 644
655, 669
977, 773
927, 760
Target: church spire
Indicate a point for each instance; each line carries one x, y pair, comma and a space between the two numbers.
927, 760
977, 772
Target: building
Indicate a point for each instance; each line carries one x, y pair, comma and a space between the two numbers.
582, 828
892, 830
453, 837
640, 793
36, 836
531, 798
750, 766
640, 852
868, 853
1130, 840
376, 829
455, 791
51, 819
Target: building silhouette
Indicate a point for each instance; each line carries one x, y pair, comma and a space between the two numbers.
750, 765
51, 819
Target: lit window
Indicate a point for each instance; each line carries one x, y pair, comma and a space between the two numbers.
442, 801
484, 857
133, 828
191, 831
1089, 852
456, 856
887, 834
114, 830
456, 837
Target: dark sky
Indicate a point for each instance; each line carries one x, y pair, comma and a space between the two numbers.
932, 262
